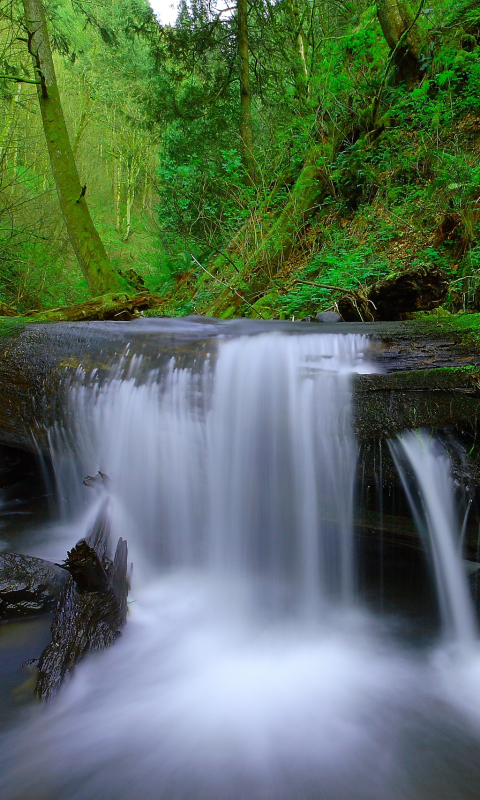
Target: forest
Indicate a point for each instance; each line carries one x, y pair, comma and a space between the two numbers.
264, 160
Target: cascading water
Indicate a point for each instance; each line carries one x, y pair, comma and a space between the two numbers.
247, 669
243, 464
434, 513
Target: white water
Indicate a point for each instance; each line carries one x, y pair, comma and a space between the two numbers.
434, 513
246, 670
243, 465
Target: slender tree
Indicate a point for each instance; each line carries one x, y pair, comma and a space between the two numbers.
88, 247
299, 58
246, 132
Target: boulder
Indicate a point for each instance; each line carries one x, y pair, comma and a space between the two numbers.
328, 316
28, 585
474, 585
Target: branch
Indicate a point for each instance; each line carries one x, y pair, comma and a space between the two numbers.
20, 79
328, 286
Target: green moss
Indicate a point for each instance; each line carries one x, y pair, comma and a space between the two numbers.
12, 326
434, 398
267, 306
228, 313
461, 328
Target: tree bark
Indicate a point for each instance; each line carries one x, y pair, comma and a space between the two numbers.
397, 20
418, 289
300, 61
89, 250
246, 131
92, 608
9, 126
117, 307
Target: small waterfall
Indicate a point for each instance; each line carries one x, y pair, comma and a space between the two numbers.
431, 497
242, 462
245, 671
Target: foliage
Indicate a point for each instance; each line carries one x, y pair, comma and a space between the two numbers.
153, 114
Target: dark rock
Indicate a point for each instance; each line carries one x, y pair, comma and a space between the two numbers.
28, 585
474, 584
328, 316
91, 609
420, 288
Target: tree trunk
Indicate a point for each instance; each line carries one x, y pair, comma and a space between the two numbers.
246, 132
417, 289
9, 126
93, 260
277, 243
117, 191
396, 17
300, 61
132, 174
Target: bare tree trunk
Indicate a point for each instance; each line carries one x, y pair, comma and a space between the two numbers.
132, 174
9, 125
246, 132
88, 247
300, 61
117, 191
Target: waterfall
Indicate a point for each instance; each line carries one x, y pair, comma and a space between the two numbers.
434, 512
248, 669
242, 462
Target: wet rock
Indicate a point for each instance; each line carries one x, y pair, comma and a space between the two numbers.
328, 316
474, 584
28, 585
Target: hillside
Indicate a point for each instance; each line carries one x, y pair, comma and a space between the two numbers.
234, 168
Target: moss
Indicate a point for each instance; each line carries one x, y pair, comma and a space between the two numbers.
12, 326
267, 305
229, 312
435, 398
467, 325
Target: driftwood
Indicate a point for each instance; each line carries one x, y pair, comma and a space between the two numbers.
92, 608
418, 289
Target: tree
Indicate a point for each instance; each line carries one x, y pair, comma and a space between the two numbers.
89, 250
400, 26
299, 57
246, 132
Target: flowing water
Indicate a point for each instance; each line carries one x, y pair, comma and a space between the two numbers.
433, 508
249, 668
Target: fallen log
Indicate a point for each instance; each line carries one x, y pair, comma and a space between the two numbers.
91, 609
118, 306
419, 289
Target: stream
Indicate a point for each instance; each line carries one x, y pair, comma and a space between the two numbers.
256, 663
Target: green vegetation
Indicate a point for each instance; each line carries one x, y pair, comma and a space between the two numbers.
232, 161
